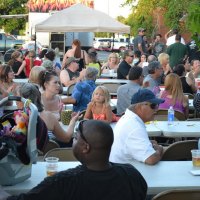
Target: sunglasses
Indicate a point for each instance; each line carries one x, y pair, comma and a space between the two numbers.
79, 129
131, 56
153, 106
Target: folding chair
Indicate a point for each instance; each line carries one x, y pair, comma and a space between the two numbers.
180, 150
184, 194
161, 115
51, 144
64, 154
70, 90
112, 88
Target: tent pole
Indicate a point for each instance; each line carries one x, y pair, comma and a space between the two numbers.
113, 35
35, 41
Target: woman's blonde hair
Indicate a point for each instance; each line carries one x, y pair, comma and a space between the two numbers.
173, 86
114, 55
34, 74
162, 57
105, 92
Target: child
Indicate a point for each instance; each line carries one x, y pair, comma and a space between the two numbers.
99, 108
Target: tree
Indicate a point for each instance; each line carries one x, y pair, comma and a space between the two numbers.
141, 16
174, 10
193, 21
11, 7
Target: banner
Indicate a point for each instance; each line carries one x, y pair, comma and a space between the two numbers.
44, 6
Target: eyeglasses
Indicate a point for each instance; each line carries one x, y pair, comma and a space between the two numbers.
79, 128
153, 106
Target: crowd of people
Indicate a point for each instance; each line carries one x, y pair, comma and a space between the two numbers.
95, 144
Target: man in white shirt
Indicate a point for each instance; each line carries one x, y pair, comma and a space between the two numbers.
131, 141
171, 39
30, 45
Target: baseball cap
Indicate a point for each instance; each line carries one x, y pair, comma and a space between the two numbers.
71, 59
145, 95
141, 29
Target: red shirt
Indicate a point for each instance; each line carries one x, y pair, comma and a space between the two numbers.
36, 62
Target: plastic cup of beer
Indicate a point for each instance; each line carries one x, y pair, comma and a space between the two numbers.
51, 165
196, 157
66, 116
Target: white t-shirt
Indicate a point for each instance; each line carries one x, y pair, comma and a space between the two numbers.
30, 45
131, 141
171, 40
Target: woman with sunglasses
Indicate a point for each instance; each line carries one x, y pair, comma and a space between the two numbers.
112, 63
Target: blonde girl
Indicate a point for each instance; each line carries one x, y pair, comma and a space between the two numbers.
173, 95
99, 108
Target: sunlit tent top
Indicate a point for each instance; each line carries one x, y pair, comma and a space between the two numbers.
80, 18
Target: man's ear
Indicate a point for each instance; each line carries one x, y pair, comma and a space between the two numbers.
86, 148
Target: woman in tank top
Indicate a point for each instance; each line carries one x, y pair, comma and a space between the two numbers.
51, 87
77, 53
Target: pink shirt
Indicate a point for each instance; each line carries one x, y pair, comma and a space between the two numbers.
168, 102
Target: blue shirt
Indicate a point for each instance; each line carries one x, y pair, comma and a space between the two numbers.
82, 93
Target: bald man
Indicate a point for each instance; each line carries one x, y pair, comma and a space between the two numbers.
96, 178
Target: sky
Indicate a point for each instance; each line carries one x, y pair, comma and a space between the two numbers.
112, 7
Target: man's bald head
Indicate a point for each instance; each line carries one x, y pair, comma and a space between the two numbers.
98, 133
93, 143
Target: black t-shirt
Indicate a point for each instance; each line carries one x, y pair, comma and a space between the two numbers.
15, 68
120, 182
123, 70
186, 88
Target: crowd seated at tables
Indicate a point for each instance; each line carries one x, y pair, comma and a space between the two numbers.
137, 101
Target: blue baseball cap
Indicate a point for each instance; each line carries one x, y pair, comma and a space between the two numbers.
145, 95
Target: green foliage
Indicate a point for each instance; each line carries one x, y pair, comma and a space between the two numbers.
108, 35
174, 10
193, 21
11, 7
141, 16
103, 34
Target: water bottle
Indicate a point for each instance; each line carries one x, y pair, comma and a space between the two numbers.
170, 115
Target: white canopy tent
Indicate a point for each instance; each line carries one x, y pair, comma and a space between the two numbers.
80, 18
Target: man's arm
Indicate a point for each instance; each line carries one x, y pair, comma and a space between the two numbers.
140, 48
68, 100
154, 158
167, 35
